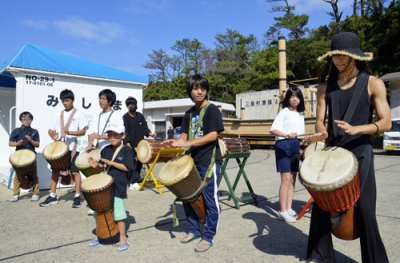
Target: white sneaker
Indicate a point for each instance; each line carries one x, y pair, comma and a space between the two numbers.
35, 198
149, 179
90, 212
284, 216
134, 186
292, 213
14, 198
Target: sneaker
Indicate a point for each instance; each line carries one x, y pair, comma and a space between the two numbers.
149, 179
292, 213
77, 202
15, 198
49, 201
134, 186
90, 212
284, 216
35, 198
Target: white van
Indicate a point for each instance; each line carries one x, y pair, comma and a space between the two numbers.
391, 139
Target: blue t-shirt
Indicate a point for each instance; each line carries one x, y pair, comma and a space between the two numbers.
15, 136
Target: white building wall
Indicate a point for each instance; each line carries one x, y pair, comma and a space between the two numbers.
257, 105
395, 98
41, 98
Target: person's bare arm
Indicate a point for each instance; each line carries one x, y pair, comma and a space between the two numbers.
320, 125
377, 91
182, 140
377, 94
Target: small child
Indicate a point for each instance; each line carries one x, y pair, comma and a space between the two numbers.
118, 168
25, 137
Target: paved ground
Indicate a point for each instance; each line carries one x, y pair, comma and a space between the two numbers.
58, 233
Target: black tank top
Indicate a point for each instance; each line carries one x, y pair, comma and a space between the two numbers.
362, 114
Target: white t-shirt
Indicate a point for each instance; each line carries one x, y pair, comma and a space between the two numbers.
99, 124
78, 122
288, 121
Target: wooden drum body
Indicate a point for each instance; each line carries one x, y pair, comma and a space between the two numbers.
227, 145
147, 152
57, 155
331, 177
98, 192
82, 162
181, 177
23, 161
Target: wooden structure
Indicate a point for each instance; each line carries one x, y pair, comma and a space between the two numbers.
257, 131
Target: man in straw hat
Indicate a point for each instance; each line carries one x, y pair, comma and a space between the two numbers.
348, 93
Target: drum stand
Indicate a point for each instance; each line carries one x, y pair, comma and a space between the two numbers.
162, 151
304, 208
231, 190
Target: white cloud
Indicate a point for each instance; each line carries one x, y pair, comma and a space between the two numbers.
39, 25
100, 31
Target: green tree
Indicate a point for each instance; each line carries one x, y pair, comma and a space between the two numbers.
294, 23
191, 52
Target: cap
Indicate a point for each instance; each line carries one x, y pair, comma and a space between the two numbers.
115, 127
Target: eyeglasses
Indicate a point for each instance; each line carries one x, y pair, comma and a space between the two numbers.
23, 119
102, 98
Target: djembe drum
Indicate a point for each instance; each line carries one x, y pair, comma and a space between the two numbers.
82, 162
227, 145
98, 191
147, 152
181, 177
313, 147
331, 177
23, 161
57, 155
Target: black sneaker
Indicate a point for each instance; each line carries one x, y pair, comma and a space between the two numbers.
77, 202
49, 201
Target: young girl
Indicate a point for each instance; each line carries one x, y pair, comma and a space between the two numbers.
288, 124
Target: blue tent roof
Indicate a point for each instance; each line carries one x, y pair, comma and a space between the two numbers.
38, 58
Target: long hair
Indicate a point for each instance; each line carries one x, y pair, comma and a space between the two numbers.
331, 72
296, 92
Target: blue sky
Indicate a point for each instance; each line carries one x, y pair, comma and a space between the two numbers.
121, 33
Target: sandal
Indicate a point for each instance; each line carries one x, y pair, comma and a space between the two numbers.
206, 247
94, 242
191, 237
123, 247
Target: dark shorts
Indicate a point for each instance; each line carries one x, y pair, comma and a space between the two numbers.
286, 155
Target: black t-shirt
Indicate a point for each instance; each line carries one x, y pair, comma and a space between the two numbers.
212, 121
135, 128
120, 177
170, 133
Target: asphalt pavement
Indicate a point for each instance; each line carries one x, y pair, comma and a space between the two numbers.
59, 233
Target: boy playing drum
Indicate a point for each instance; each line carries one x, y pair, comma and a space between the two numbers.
25, 137
118, 160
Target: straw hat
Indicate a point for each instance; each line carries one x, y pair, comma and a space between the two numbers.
348, 44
